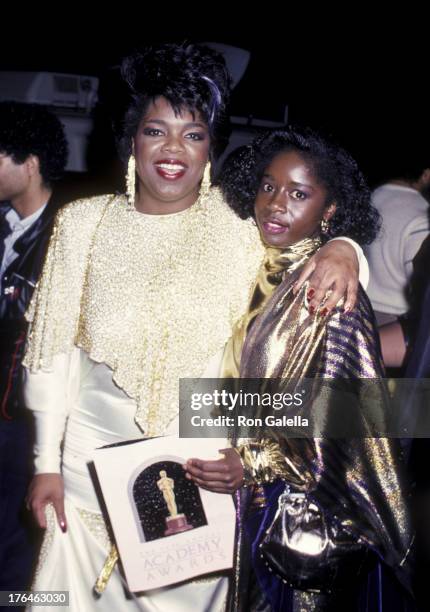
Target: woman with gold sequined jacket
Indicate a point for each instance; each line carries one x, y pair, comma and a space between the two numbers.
315, 512
136, 293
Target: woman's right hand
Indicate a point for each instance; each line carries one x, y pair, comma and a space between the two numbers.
47, 489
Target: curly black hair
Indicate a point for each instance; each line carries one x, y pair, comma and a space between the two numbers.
333, 167
190, 77
31, 129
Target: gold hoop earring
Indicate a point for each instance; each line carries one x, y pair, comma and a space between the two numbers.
131, 181
206, 181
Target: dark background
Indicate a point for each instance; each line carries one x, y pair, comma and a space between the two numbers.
362, 79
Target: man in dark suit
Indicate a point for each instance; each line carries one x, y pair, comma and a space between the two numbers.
33, 155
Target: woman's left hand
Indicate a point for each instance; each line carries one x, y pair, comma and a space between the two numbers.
220, 476
335, 267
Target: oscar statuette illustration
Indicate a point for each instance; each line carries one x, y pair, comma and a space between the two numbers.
175, 523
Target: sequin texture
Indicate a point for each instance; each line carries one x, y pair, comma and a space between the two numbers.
51, 525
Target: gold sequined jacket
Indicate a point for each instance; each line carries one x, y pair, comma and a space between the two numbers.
153, 297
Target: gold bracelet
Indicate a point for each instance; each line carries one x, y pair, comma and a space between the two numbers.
263, 462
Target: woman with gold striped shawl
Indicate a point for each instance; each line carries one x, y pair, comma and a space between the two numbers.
335, 503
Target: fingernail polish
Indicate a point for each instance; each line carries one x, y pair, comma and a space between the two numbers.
311, 310
311, 293
324, 312
63, 526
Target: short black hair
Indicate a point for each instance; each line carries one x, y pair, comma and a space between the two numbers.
190, 77
408, 160
333, 167
31, 129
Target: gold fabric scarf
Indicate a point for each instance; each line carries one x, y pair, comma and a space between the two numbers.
275, 264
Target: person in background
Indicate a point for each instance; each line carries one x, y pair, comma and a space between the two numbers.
403, 205
33, 156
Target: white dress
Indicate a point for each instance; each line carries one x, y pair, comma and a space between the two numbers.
127, 304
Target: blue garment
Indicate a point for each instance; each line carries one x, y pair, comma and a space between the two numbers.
17, 547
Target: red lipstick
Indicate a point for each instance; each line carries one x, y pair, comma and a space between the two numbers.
170, 169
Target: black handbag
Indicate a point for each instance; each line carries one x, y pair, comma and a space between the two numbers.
309, 551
